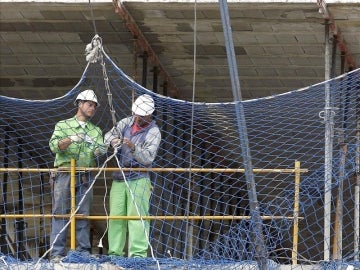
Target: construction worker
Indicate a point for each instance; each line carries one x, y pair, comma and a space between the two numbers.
74, 138
136, 140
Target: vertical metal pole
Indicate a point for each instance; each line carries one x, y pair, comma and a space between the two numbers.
135, 56
338, 227
4, 248
189, 230
357, 185
19, 223
296, 213
258, 238
184, 206
342, 63
165, 89
164, 204
329, 125
175, 191
333, 57
73, 203
155, 79
42, 229
144, 73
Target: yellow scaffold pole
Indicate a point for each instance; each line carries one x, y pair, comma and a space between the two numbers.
296, 213
73, 203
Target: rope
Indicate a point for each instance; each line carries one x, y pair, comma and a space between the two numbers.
108, 91
137, 210
76, 210
94, 53
100, 244
92, 16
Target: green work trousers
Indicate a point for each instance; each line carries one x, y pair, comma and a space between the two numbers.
122, 203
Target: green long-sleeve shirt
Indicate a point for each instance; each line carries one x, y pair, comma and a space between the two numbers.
82, 152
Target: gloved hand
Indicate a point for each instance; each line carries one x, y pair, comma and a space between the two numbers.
79, 137
100, 149
111, 135
88, 139
116, 142
97, 152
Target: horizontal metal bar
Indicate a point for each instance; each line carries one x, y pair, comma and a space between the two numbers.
198, 170
77, 216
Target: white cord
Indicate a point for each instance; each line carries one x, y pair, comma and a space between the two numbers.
76, 210
2, 258
100, 245
138, 212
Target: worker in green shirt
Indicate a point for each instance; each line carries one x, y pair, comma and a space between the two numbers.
74, 138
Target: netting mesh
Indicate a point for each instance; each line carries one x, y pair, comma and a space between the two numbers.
199, 186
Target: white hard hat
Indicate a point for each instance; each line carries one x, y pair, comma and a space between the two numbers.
143, 105
87, 95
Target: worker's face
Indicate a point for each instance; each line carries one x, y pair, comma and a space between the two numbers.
87, 108
142, 120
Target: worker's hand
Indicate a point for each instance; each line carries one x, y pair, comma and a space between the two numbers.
129, 143
115, 142
97, 152
79, 137
100, 149
88, 139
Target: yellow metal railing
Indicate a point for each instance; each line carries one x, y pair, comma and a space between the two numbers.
296, 213
73, 204
73, 169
